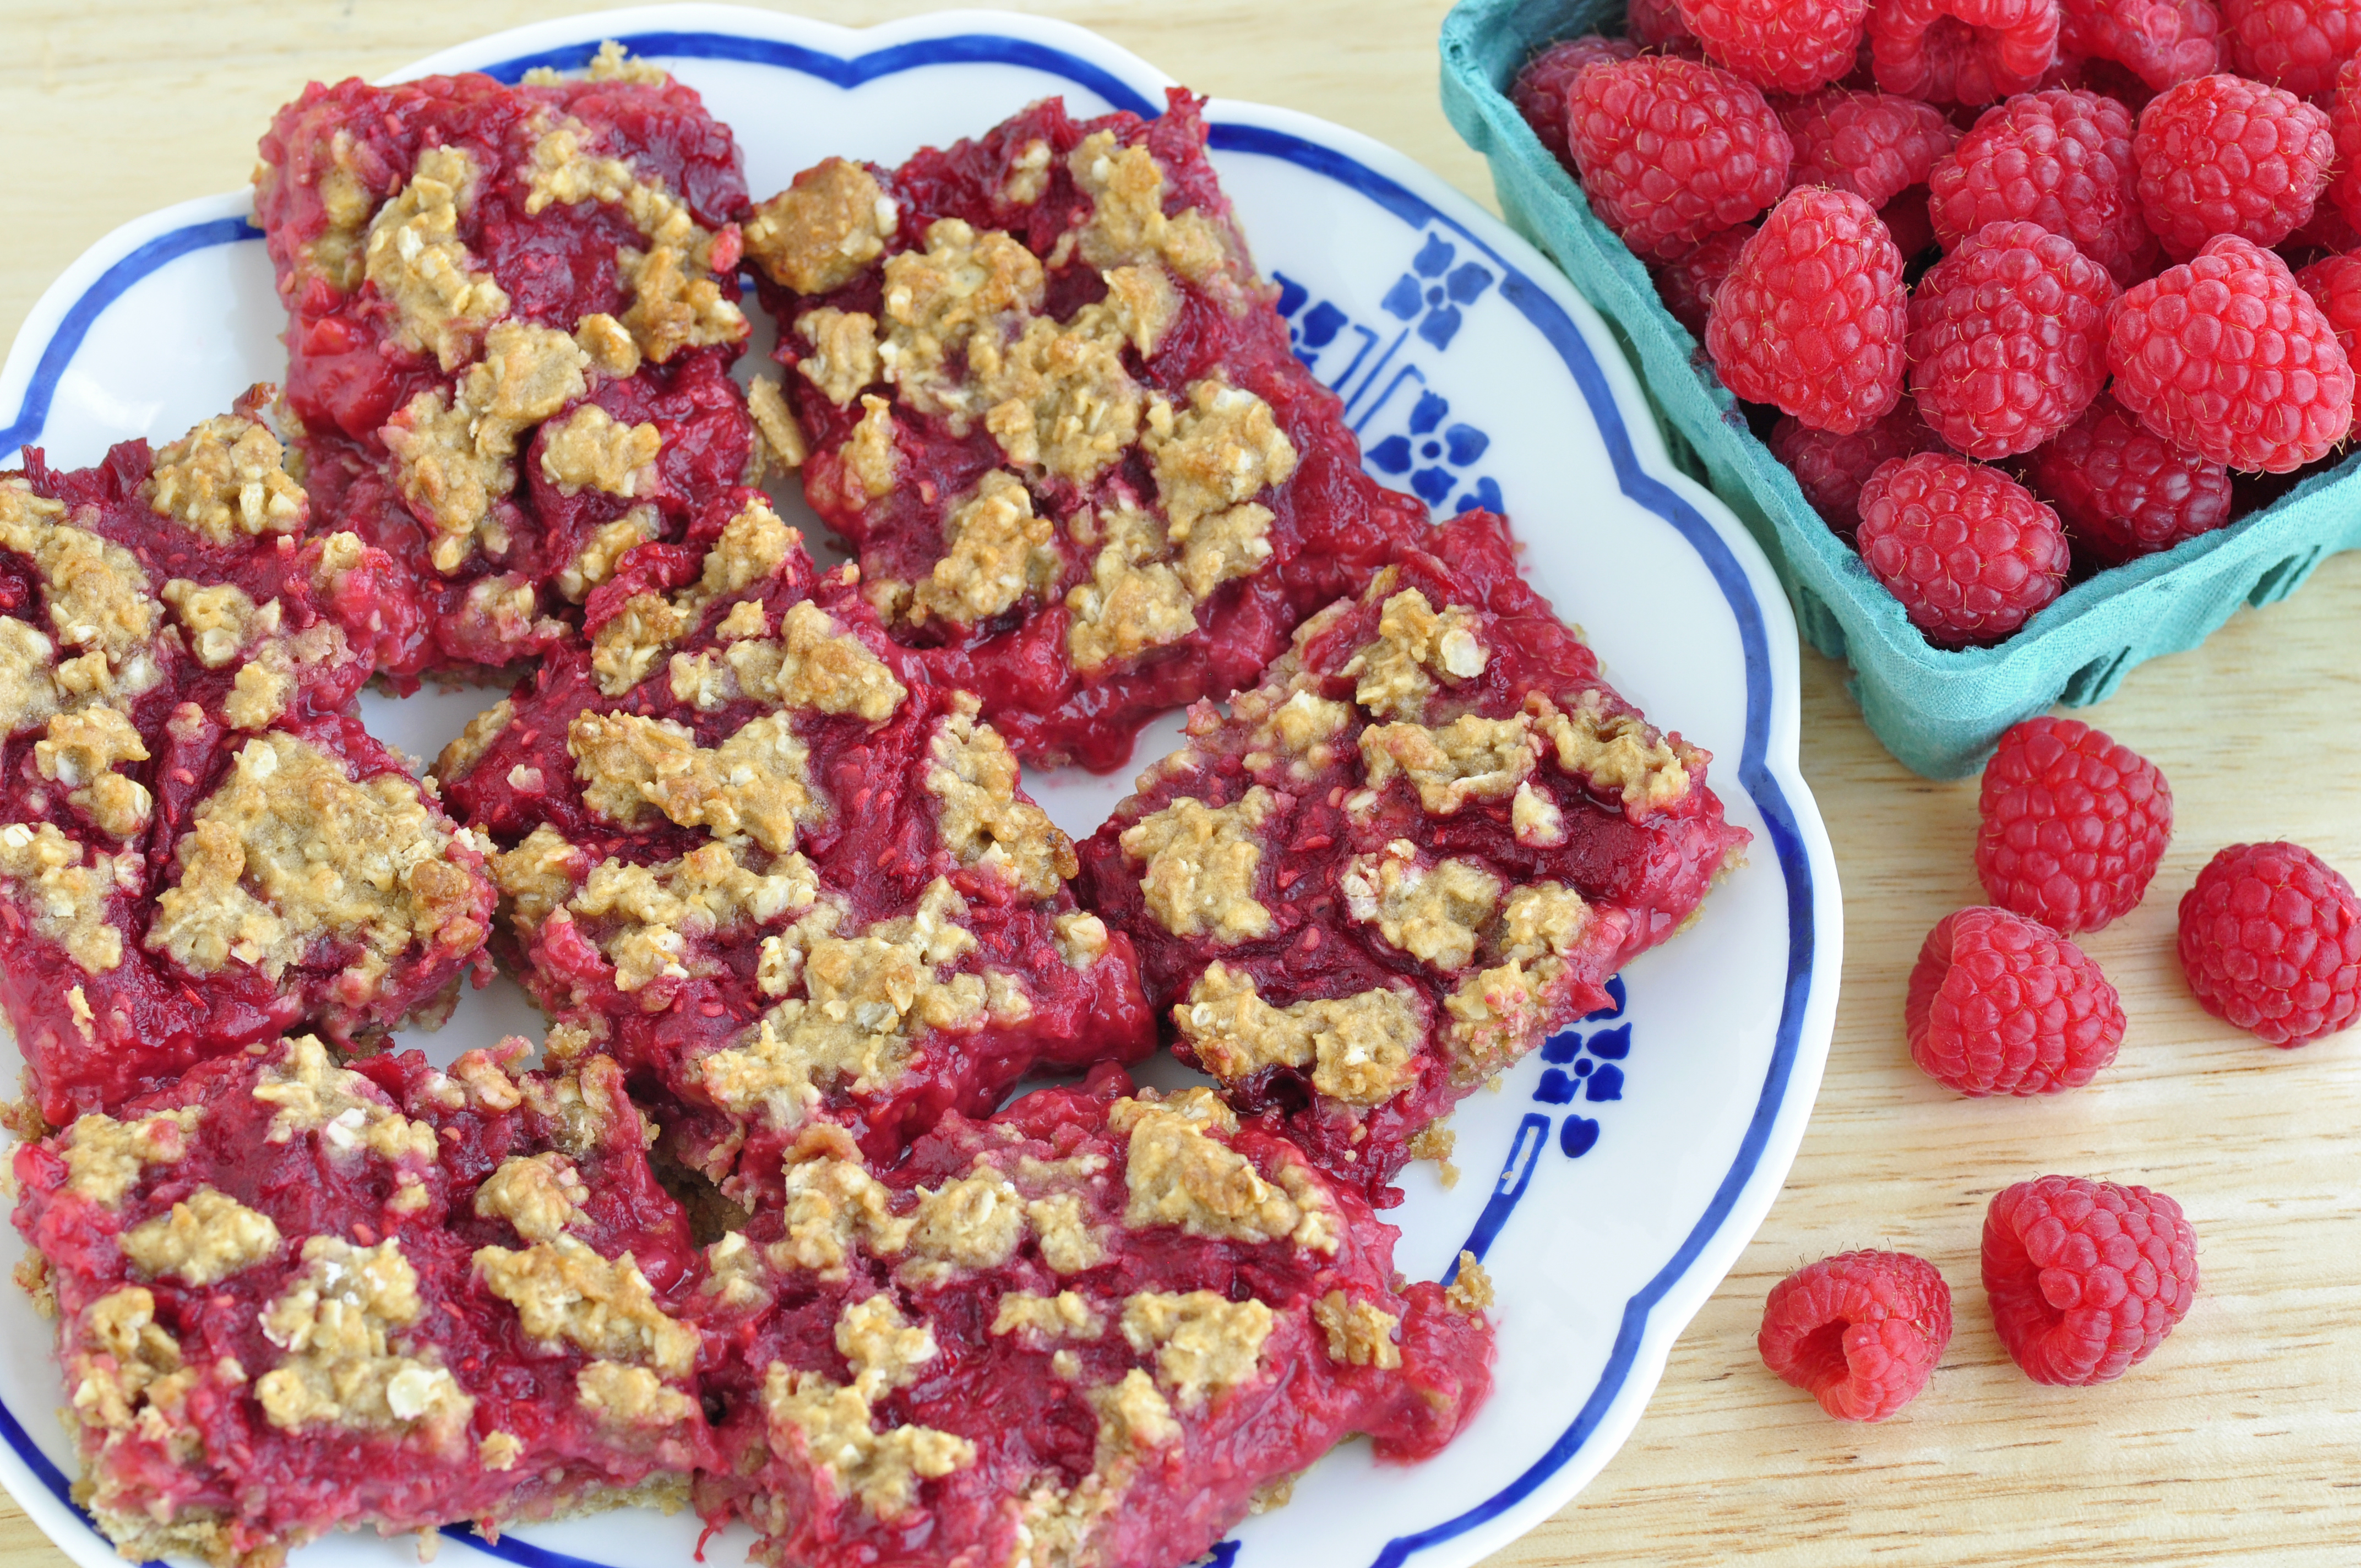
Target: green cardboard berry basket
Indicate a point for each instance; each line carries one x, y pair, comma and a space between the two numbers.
1939, 711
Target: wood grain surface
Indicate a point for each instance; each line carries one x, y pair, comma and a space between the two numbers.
2241, 1438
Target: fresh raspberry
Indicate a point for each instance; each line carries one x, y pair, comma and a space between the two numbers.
1813, 315
2000, 1004
1968, 550
2073, 825
2008, 339
2294, 44
2085, 1278
2223, 155
1657, 25
1831, 469
2227, 356
1961, 52
2059, 159
2160, 41
1687, 286
1539, 92
1872, 144
2345, 126
1671, 151
1860, 1331
2334, 284
2271, 940
1781, 46
2122, 490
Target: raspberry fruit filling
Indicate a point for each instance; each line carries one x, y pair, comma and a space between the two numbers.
1424, 843
1049, 403
294, 1297
512, 314
1093, 1329
758, 856
200, 847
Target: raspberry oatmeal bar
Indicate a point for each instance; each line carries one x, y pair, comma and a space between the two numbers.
1049, 403
294, 1297
754, 852
199, 846
1420, 845
512, 313
1092, 1329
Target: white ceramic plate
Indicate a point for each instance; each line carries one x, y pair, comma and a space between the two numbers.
1614, 1180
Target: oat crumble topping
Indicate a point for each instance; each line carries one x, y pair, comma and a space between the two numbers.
80, 751
1471, 1290
1201, 864
1203, 1342
1065, 1315
422, 268
335, 1321
973, 776
629, 1397
538, 1194
313, 1094
1128, 226
661, 905
1180, 1176
1360, 1334
1471, 758
755, 782
202, 1240
224, 478
995, 551
105, 1158
591, 448
824, 230
289, 850
66, 898
564, 1291
1362, 1049
1616, 753
596, 561
835, 1421
782, 438
1398, 672
98, 599
1436, 913
844, 352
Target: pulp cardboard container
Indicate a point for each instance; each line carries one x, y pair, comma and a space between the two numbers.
1940, 711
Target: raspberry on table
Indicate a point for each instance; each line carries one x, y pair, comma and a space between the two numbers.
2159, 41
2294, 44
1687, 286
1831, 468
2008, 339
2074, 824
1969, 551
2002, 1004
2061, 159
1671, 150
2122, 490
2223, 155
1872, 144
1539, 90
1961, 52
1813, 315
2271, 940
2334, 284
1781, 46
1861, 1332
2085, 1278
2225, 356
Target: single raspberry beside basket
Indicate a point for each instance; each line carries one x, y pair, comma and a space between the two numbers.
1861, 1332
2085, 1278
2074, 824
2271, 940
2000, 1004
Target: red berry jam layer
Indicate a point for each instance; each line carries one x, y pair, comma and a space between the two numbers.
1422, 844
1091, 1330
755, 853
512, 313
199, 846
1049, 403
295, 1297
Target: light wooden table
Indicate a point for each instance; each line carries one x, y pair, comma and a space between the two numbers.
2242, 1437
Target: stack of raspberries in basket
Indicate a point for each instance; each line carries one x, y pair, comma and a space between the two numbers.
760, 1228
2020, 291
